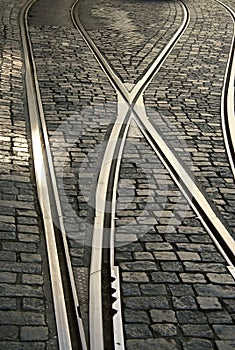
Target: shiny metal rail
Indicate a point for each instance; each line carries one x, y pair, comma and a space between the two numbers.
49, 202
227, 99
129, 102
131, 106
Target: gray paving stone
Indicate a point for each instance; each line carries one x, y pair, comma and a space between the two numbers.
164, 330
125, 256
175, 266
221, 278
189, 256
135, 316
20, 267
191, 317
158, 246
163, 316
146, 303
152, 344
130, 289
8, 303
204, 267
184, 303
143, 256
33, 333
193, 247
225, 332
209, 303
225, 344
27, 257
29, 238
7, 236
27, 220
7, 227
32, 279
139, 266
193, 278
164, 277
136, 331
9, 333
181, 290
19, 318
27, 229
7, 277
217, 317
19, 247
135, 277
14, 290
153, 289
7, 256
198, 344
199, 331
216, 257
165, 256
229, 304
215, 290
22, 346
151, 238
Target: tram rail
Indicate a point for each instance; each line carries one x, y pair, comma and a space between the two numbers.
130, 107
227, 99
108, 180
69, 324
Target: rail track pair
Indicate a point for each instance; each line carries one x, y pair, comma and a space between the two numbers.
130, 107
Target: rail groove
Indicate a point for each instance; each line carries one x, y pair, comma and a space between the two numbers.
131, 106
68, 321
105, 196
227, 99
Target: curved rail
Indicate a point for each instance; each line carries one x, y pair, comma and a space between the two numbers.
130, 105
48, 199
227, 99
105, 196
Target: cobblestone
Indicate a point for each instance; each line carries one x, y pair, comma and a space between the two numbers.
163, 316
209, 303
185, 275
194, 124
164, 330
129, 53
151, 344
197, 344
138, 331
34, 333
135, 277
225, 345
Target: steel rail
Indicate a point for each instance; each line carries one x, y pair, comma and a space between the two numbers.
133, 102
227, 98
48, 196
185, 182
112, 159
129, 96
218, 230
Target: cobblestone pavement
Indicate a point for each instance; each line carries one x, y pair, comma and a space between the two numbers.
26, 313
193, 76
131, 33
176, 290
